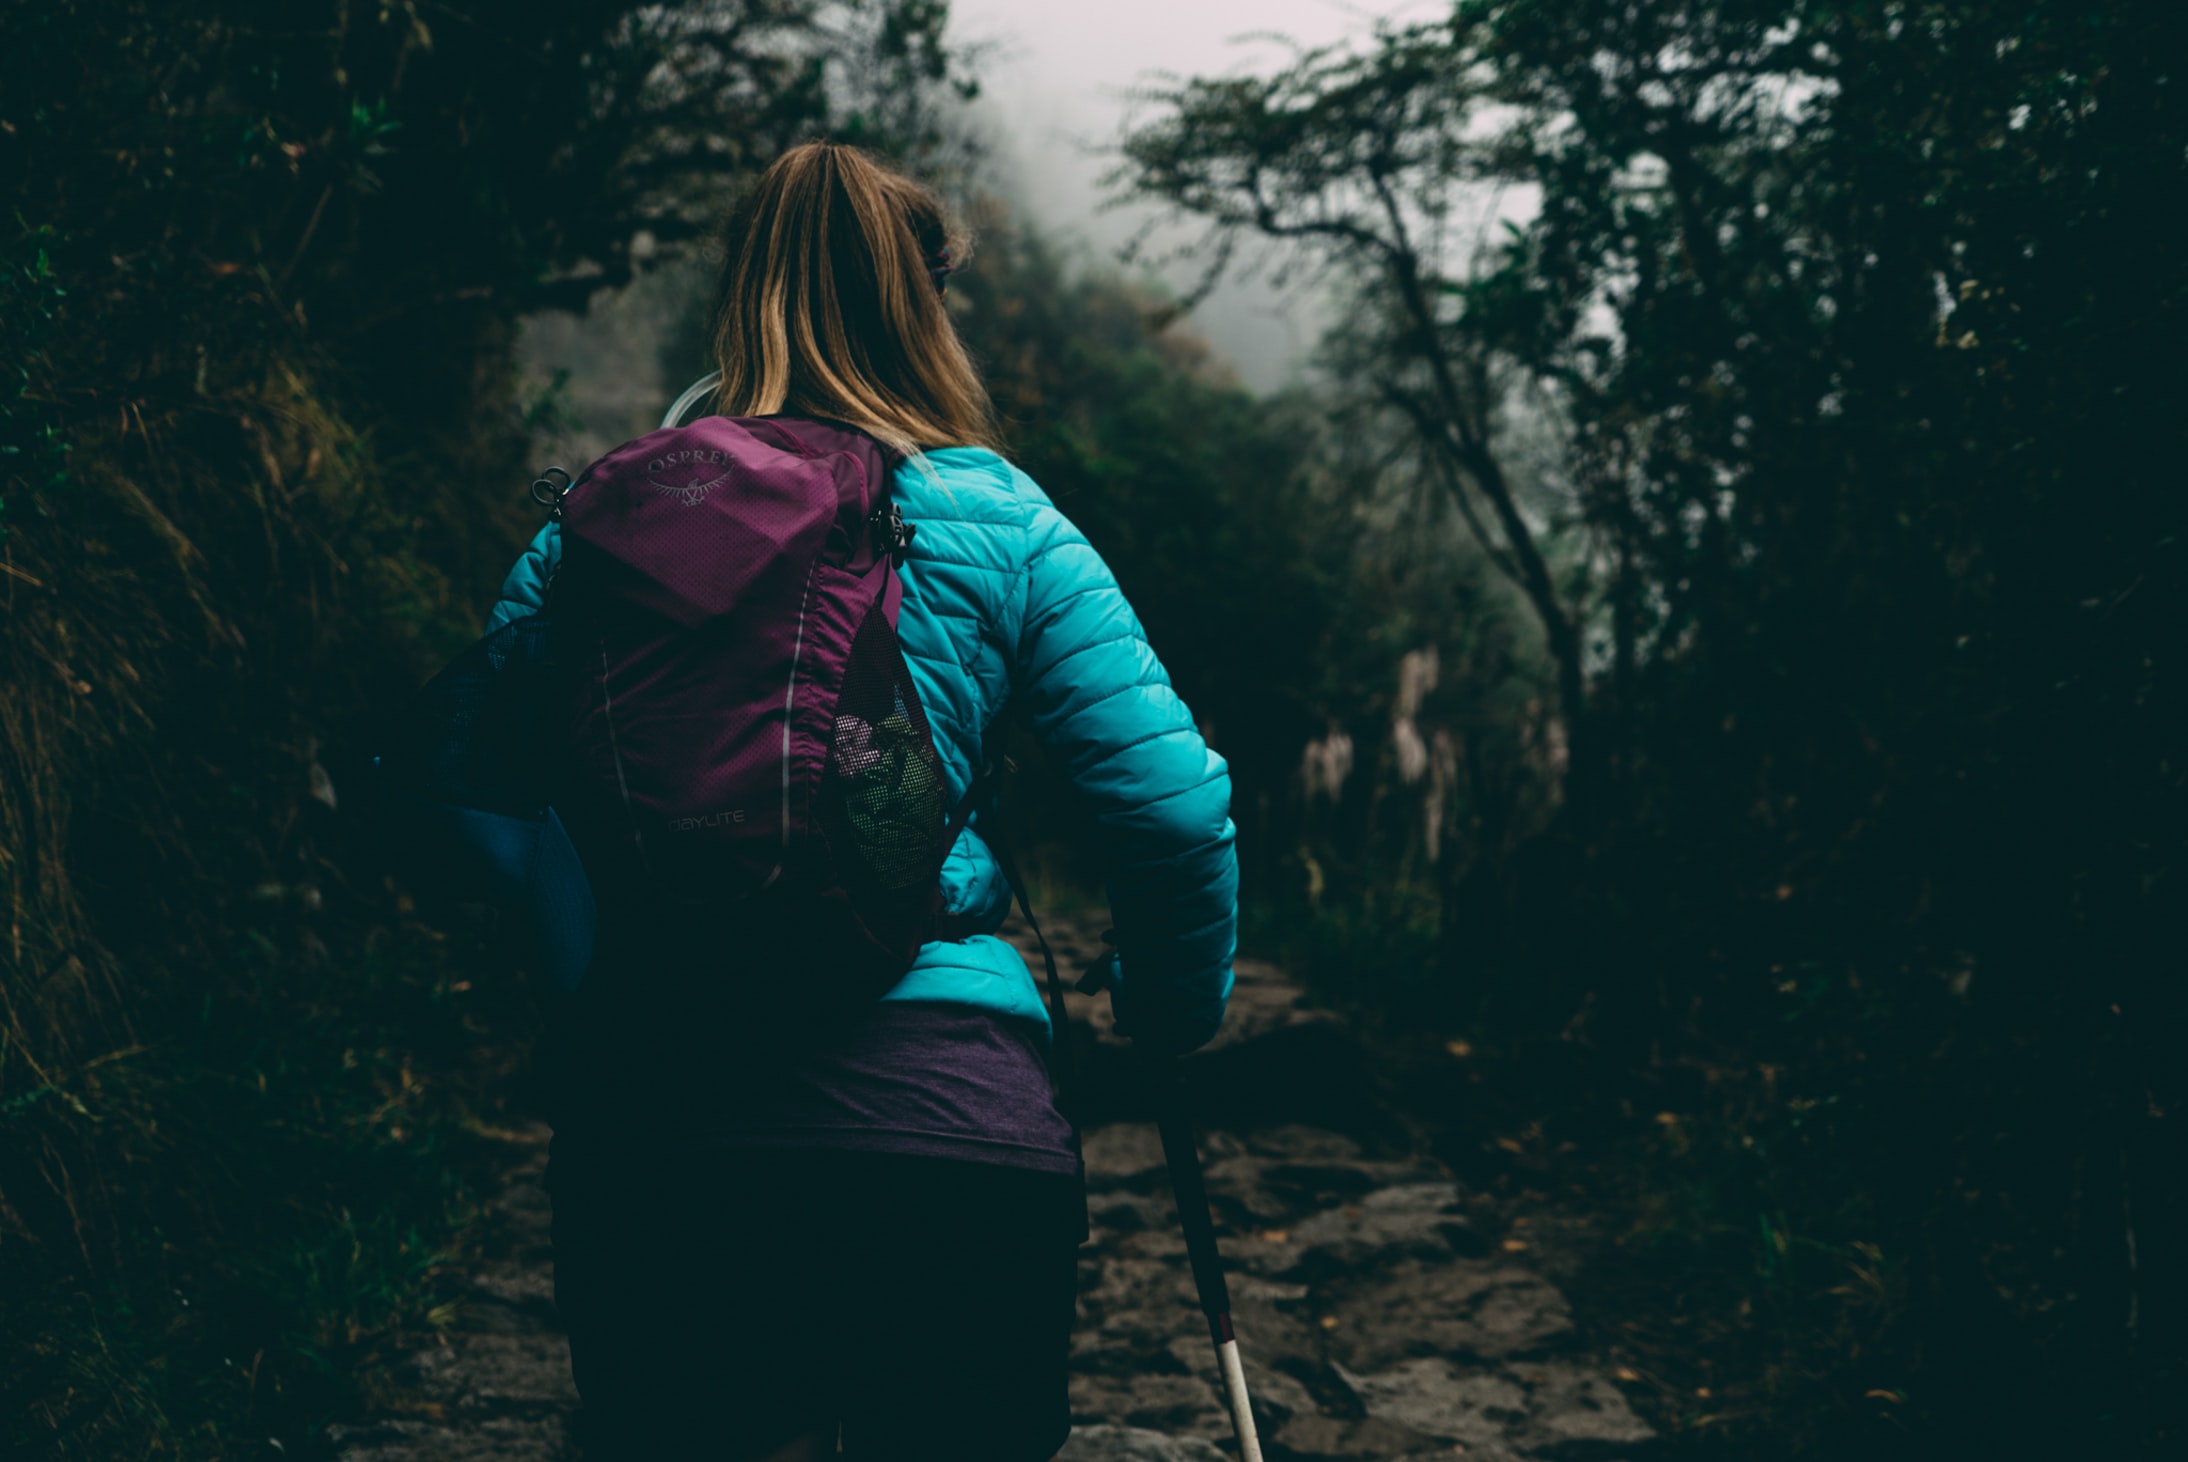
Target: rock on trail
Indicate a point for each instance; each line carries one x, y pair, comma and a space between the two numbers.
1376, 1319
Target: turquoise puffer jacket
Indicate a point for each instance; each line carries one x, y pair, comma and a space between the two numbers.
1005, 600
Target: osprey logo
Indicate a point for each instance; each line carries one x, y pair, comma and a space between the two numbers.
689, 493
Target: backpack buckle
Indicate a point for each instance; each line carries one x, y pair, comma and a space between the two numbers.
549, 489
892, 535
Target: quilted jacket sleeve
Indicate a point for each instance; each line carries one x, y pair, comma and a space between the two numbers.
1094, 690
525, 588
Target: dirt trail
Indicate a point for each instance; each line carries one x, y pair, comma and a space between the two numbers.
1384, 1310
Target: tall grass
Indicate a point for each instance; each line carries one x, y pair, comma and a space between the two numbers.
235, 1075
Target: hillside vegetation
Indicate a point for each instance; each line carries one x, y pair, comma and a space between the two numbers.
261, 460
1700, 668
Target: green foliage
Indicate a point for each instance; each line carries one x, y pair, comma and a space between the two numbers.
261, 463
1279, 565
1856, 328
33, 453
314, 1118
1365, 160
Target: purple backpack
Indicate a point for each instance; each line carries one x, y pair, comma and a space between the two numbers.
748, 740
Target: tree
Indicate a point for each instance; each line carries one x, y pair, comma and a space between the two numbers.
261, 271
1860, 321
1374, 160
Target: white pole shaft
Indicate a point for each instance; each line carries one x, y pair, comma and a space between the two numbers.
1242, 1411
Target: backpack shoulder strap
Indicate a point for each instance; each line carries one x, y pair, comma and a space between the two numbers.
1067, 1046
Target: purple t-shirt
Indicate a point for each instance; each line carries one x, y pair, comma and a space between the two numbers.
930, 1080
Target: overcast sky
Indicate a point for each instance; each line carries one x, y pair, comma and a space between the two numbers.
1055, 84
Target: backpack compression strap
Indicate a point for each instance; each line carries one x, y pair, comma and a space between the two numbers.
1066, 1043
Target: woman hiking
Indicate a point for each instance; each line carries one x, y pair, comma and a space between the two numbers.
810, 1178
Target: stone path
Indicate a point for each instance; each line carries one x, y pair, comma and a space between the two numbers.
1384, 1311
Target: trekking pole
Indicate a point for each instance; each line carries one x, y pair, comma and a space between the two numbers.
1183, 1156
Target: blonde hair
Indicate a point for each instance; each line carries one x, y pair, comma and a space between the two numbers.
829, 305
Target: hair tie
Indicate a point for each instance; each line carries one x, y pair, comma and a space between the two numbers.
939, 269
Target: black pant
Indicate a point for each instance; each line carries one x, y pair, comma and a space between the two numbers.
722, 1303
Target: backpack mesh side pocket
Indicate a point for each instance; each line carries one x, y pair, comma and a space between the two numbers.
884, 802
